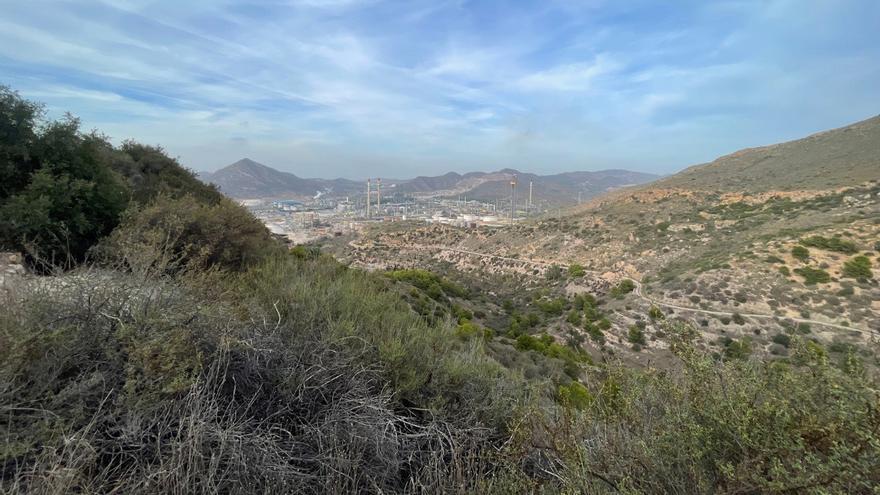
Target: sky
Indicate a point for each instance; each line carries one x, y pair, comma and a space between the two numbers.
361, 88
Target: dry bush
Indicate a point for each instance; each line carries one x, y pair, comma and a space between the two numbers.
128, 382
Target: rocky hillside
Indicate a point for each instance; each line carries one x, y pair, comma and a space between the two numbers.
748, 248
837, 158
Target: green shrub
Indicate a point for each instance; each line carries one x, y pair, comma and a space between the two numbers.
831, 244
552, 307
635, 335
574, 395
738, 319
813, 276
801, 253
656, 313
595, 333
858, 267
304, 252
782, 339
717, 427
738, 349
574, 317
467, 330
186, 234
435, 286
576, 270
784, 271
623, 288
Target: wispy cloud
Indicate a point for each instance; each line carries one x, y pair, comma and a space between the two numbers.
367, 87
578, 76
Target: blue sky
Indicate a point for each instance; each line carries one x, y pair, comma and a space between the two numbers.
357, 88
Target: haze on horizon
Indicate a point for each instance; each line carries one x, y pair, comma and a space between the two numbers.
350, 88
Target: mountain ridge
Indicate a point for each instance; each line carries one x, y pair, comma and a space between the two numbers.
248, 179
838, 157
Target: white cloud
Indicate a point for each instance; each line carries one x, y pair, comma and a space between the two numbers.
569, 77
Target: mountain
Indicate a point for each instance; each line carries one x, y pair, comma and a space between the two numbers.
826, 160
559, 189
249, 179
549, 190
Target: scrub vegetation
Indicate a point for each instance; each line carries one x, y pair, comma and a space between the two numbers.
173, 346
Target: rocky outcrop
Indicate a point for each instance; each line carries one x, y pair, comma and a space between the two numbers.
11, 265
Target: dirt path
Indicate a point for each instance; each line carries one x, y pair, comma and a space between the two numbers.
640, 294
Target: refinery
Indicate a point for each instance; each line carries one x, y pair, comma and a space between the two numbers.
304, 220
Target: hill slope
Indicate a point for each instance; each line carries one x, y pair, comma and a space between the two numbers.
249, 179
773, 235
837, 158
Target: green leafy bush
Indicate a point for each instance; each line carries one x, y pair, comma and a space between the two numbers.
554, 272
187, 234
434, 285
576, 270
782, 339
552, 307
635, 335
623, 288
716, 427
655, 313
59, 195
595, 333
575, 395
858, 267
813, 276
831, 244
737, 349
801, 253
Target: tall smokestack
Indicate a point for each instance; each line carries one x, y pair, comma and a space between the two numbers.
368, 198
512, 199
379, 196
530, 196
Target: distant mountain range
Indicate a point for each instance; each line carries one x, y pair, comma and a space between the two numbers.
247, 179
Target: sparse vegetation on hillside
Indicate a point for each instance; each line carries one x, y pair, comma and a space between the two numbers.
193, 354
